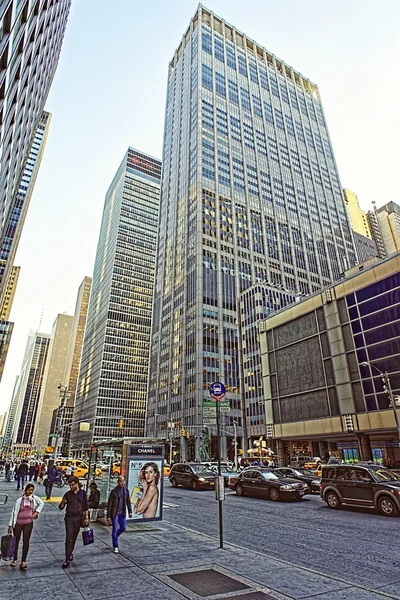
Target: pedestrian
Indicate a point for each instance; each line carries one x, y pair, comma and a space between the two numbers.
7, 470
37, 471
42, 472
94, 501
25, 511
118, 503
22, 474
52, 475
31, 471
76, 517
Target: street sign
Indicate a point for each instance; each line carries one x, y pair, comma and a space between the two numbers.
209, 412
217, 390
225, 406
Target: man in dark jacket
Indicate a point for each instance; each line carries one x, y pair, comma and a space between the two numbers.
22, 474
118, 503
77, 515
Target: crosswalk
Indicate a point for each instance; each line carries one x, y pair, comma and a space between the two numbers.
169, 505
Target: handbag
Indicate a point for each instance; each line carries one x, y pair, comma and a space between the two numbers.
87, 536
7, 546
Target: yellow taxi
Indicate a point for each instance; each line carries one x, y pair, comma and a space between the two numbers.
167, 469
116, 469
80, 467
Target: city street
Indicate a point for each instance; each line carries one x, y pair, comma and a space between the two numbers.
357, 545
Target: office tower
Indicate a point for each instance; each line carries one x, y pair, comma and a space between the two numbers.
250, 190
29, 389
8, 298
62, 419
388, 217
363, 242
6, 443
6, 329
12, 226
54, 375
32, 34
112, 385
376, 233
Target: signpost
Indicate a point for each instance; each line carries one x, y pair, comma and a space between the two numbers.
217, 391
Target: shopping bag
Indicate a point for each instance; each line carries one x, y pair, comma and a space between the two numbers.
7, 546
87, 536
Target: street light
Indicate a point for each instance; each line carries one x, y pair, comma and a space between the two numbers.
388, 390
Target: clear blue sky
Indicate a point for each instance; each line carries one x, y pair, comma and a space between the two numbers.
109, 93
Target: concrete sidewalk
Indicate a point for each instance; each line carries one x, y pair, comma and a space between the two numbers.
159, 561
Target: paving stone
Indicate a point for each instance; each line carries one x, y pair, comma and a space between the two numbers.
46, 589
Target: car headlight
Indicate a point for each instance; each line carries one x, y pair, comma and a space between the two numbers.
315, 482
202, 479
287, 486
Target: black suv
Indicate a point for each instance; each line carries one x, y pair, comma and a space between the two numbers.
367, 485
192, 475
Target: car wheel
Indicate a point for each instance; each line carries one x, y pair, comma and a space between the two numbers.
274, 494
239, 490
194, 485
332, 500
174, 483
387, 507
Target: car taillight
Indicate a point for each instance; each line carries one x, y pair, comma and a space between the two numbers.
320, 487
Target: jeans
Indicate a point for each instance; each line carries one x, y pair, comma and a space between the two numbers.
21, 480
49, 489
118, 527
72, 527
26, 530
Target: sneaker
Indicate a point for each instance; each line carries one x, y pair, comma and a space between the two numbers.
66, 564
116, 551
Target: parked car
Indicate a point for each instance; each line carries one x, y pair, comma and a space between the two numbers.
299, 460
226, 472
304, 475
268, 483
367, 485
192, 475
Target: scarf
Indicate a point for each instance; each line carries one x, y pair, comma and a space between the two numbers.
26, 501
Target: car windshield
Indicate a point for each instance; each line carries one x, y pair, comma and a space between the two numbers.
271, 475
200, 468
385, 475
303, 472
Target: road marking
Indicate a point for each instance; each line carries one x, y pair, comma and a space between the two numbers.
58, 499
170, 505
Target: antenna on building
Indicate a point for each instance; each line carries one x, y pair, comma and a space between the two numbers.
41, 318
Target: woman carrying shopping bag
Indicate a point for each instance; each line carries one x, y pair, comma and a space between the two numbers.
25, 511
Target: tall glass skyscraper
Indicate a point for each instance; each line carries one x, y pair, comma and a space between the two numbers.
112, 385
250, 192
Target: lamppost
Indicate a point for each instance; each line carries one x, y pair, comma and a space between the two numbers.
60, 415
235, 443
388, 390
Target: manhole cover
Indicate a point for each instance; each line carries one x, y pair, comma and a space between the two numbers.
209, 582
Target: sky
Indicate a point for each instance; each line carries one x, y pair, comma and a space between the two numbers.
109, 93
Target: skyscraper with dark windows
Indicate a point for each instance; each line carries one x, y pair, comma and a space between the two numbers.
31, 37
112, 385
250, 193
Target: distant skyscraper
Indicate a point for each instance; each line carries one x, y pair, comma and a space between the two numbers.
364, 244
8, 297
54, 374
376, 232
30, 385
388, 217
10, 417
12, 227
250, 192
112, 386
31, 38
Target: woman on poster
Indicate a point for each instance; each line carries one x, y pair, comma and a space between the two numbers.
147, 505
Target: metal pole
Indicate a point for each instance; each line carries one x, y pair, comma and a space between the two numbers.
170, 443
392, 401
235, 443
60, 412
221, 531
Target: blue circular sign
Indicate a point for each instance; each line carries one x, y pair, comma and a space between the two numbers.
217, 389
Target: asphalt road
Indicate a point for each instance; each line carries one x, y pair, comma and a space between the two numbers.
357, 545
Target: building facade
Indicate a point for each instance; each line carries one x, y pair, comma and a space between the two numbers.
12, 227
255, 304
364, 244
388, 217
112, 386
319, 398
29, 388
31, 39
8, 298
54, 375
250, 192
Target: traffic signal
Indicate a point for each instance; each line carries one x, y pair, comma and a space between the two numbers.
187, 435
182, 432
